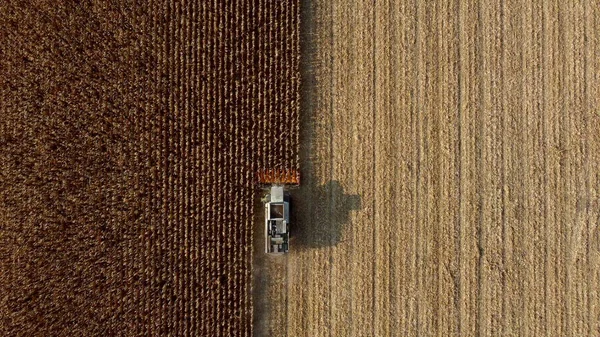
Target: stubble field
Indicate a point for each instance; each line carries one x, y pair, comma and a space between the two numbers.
450, 153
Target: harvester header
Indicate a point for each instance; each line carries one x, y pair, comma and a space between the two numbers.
278, 177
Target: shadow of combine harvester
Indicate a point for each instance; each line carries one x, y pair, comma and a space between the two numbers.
319, 211
319, 214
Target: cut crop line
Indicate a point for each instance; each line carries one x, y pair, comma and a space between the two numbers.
374, 165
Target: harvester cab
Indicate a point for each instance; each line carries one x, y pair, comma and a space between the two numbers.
277, 208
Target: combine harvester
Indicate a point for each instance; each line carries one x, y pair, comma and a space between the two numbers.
277, 208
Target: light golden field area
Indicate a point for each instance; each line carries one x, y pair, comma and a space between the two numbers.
451, 173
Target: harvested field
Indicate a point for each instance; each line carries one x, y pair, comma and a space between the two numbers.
450, 152
130, 136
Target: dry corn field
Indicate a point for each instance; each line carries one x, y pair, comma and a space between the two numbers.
130, 136
451, 154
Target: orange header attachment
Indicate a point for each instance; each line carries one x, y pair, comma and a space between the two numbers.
278, 176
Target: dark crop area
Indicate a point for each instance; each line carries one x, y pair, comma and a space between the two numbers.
130, 138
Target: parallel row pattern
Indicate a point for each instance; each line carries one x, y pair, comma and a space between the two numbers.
131, 136
470, 130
